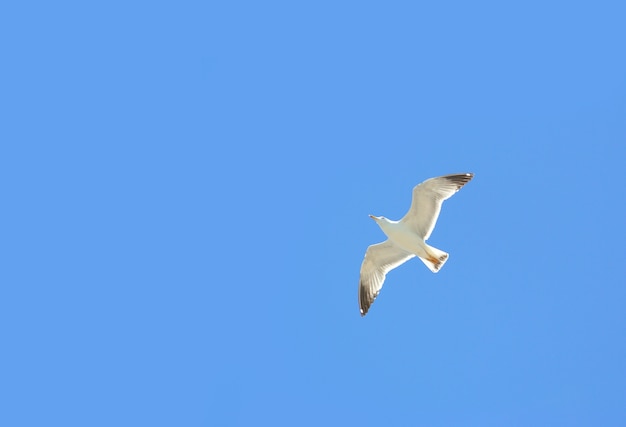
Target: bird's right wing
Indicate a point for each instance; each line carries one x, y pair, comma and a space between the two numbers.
427, 199
379, 260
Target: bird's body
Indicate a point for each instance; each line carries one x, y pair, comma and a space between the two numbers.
407, 237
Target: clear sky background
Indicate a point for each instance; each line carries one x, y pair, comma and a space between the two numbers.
185, 197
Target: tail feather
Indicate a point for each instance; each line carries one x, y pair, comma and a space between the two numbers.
436, 258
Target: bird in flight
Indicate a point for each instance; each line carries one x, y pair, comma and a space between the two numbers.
407, 238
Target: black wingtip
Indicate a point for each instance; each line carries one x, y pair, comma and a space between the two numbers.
363, 306
460, 179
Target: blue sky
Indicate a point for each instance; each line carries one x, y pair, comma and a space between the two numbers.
186, 189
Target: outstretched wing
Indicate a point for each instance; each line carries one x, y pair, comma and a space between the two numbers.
427, 199
379, 260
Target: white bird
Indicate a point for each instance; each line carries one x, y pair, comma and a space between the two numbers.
407, 238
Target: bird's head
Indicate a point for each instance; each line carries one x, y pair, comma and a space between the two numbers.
378, 218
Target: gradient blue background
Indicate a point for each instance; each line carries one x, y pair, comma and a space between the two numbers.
185, 189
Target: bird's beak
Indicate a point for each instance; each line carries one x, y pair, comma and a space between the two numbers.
373, 217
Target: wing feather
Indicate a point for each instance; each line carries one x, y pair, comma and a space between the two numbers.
379, 260
428, 198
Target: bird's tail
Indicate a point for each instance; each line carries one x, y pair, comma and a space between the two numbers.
436, 258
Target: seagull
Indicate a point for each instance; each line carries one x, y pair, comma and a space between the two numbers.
407, 238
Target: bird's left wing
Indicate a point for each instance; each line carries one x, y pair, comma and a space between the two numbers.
379, 260
427, 199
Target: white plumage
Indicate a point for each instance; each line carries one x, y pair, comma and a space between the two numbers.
406, 238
